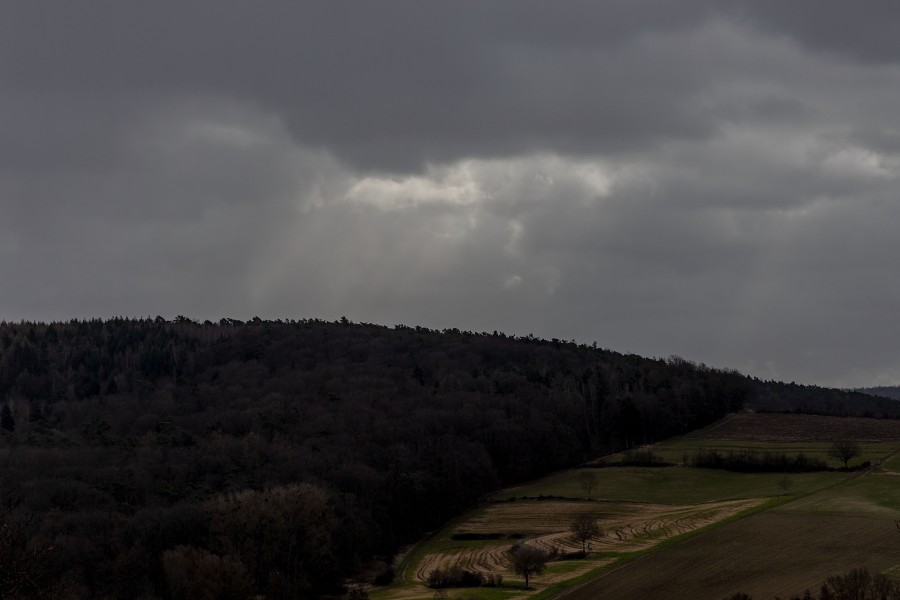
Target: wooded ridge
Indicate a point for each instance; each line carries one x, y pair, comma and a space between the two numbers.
281, 456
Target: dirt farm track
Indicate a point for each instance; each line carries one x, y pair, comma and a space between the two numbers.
769, 553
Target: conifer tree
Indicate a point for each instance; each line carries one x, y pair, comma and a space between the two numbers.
35, 414
6, 419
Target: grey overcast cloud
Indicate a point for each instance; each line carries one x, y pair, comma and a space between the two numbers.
716, 180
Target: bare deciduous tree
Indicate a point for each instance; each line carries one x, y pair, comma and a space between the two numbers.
844, 451
358, 592
282, 535
194, 573
859, 583
585, 527
528, 561
22, 564
588, 481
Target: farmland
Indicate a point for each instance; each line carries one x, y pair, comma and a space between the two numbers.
767, 554
695, 533
799, 428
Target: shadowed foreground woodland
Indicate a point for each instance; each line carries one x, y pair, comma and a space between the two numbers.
174, 459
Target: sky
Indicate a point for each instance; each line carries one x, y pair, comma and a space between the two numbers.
717, 180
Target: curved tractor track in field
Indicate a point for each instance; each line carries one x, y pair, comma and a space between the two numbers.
545, 525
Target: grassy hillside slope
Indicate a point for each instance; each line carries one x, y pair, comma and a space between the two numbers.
683, 532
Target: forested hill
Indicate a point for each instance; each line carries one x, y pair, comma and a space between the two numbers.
774, 396
148, 452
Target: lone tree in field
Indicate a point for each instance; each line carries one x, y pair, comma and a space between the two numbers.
585, 527
588, 481
528, 561
844, 451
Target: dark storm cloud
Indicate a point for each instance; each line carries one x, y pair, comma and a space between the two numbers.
393, 85
865, 35
383, 85
715, 180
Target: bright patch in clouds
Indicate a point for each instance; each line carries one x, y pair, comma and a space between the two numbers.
480, 182
858, 162
453, 186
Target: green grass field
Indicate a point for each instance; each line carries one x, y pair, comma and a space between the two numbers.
892, 464
875, 494
672, 485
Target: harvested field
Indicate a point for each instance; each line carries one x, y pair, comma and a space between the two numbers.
626, 527
622, 521
800, 428
765, 555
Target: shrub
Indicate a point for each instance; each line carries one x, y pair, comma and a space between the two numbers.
386, 577
641, 458
454, 577
750, 461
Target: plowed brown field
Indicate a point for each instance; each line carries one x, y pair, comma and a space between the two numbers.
801, 428
765, 555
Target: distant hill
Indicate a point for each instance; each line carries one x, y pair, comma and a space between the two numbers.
890, 391
773, 396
